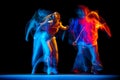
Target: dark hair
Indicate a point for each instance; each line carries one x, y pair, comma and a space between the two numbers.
84, 8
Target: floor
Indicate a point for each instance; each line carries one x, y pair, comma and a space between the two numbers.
58, 77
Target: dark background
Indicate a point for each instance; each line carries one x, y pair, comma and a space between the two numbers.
16, 53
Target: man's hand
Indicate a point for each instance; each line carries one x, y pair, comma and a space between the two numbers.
74, 43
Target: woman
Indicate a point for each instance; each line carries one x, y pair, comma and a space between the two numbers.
47, 29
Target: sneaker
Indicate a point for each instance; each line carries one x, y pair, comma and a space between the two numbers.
52, 71
76, 71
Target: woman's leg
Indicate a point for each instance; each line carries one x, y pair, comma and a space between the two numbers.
54, 54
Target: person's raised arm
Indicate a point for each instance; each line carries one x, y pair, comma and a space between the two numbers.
47, 19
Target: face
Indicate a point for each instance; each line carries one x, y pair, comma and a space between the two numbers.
57, 15
80, 13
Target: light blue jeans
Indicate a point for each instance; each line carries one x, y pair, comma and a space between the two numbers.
85, 53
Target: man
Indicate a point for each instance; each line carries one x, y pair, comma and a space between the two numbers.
84, 29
